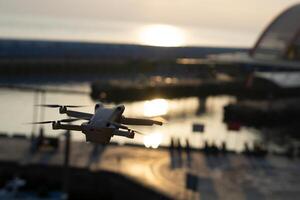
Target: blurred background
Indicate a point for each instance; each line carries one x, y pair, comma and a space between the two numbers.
223, 75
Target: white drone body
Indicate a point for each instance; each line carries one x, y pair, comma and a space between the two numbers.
101, 126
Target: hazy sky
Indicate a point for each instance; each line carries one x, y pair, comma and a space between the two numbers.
204, 22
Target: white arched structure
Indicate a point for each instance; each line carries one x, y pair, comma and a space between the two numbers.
281, 39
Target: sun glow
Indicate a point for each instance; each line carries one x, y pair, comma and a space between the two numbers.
161, 35
156, 107
153, 140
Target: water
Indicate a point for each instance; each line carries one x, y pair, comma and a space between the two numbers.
17, 109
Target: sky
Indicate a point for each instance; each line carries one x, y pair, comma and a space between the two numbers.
190, 22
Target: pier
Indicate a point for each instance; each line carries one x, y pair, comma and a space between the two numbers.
171, 88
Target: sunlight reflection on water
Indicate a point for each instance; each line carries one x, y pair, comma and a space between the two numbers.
153, 140
17, 107
156, 107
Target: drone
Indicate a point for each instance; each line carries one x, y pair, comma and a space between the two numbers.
101, 126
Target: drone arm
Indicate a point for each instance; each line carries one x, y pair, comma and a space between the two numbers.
129, 134
67, 127
138, 121
80, 115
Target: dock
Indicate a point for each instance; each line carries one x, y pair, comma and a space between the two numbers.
171, 88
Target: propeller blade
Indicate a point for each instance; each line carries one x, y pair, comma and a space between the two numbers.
68, 120
49, 122
160, 119
44, 122
139, 121
138, 132
74, 106
49, 105
58, 106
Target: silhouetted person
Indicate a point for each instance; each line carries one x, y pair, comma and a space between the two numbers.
187, 146
206, 147
258, 150
33, 144
179, 152
224, 148
38, 142
32, 137
188, 153
214, 149
41, 135
172, 153
172, 143
246, 150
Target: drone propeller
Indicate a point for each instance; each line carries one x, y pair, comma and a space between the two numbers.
58, 106
160, 119
49, 122
138, 132
44, 122
69, 120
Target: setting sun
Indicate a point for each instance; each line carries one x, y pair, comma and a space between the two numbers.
161, 35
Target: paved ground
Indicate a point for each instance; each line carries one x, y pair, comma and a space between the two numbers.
230, 177
218, 177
